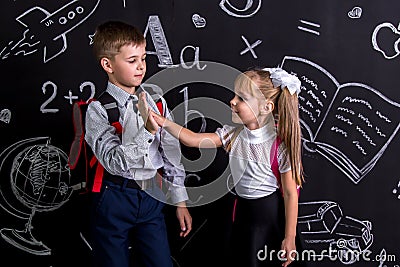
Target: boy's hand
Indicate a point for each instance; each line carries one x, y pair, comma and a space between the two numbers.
153, 116
184, 218
145, 111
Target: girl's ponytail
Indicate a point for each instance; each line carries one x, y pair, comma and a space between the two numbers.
289, 131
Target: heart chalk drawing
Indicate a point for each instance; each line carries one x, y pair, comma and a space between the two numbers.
198, 21
5, 115
355, 13
395, 31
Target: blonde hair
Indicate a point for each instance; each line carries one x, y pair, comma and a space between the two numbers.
112, 35
286, 113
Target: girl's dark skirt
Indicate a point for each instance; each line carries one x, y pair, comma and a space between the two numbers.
258, 231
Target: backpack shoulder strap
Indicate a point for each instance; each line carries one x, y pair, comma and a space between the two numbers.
275, 165
111, 106
274, 159
160, 105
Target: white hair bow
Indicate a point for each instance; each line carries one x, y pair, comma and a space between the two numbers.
280, 78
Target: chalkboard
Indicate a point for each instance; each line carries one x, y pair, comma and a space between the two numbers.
346, 54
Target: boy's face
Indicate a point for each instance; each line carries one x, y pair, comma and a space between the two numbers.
129, 67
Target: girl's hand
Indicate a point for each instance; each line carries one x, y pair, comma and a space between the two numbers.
289, 247
160, 120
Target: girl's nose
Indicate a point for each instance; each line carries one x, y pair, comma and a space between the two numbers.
233, 102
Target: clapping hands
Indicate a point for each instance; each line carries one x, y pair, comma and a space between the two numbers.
147, 114
152, 120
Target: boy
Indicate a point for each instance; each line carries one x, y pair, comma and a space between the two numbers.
125, 206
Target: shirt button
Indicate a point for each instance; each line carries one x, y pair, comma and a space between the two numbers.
149, 141
146, 155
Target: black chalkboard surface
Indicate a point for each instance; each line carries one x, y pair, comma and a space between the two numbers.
346, 54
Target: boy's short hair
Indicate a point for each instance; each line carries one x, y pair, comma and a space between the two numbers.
112, 35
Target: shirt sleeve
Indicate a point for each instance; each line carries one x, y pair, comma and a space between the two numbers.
225, 134
106, 144
174, 171
283, 159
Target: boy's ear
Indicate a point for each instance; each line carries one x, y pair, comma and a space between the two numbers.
106, 64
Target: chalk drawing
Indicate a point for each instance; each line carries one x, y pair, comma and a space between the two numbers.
5, 115
198, 21
349, 124
324, 227
160, 42
250, 9
355, 12
309, 27
36, 179
196, 61
396, 45
250, 48
49, 30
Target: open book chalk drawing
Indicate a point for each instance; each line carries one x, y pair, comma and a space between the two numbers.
349, 124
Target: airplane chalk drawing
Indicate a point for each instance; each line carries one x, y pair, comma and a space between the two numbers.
49, 29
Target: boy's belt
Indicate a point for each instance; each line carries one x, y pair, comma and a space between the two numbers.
131, 183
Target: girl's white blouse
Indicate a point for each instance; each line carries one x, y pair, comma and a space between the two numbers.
249, 160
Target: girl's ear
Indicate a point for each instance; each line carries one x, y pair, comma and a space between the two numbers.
267, 107
106, 65
270, 106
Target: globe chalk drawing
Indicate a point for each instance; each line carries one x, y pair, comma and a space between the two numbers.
38, 180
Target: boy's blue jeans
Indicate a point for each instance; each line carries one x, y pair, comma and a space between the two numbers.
126, 219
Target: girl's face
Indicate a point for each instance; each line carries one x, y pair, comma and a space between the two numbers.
246, 109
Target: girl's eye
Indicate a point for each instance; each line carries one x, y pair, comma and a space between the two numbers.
240, 98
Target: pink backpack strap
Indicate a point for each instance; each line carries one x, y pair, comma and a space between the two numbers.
273, 158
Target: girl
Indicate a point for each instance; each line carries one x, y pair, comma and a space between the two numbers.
266, 107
